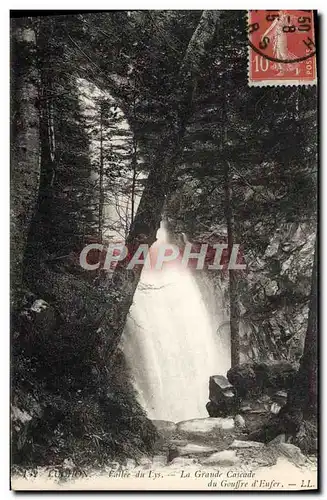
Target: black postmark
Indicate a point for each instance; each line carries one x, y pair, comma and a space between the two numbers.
283, 24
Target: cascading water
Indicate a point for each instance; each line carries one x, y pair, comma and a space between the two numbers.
171, 344
170, 340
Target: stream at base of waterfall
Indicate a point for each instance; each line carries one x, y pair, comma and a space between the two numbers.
170, 342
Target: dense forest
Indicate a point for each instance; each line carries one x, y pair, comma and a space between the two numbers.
153, 108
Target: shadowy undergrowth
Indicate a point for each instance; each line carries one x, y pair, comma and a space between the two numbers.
64, 404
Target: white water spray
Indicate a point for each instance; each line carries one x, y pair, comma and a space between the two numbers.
171, 344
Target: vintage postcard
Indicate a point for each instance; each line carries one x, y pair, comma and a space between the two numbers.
164, 168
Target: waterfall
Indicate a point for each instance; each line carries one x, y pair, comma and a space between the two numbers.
170, 342
175, 335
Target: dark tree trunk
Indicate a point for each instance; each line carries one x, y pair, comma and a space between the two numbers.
40, 232
101, 188
149, 213
25, 157
134, 165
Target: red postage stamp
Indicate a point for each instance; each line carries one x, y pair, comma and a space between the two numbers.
282, 47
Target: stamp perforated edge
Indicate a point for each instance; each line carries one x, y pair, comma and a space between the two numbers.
275, 83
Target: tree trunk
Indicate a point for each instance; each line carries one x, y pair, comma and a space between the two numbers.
40, 231
134, 165
101, 189
25, 157
149, 213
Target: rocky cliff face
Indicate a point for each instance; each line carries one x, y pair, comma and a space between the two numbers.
274, 295
273, 291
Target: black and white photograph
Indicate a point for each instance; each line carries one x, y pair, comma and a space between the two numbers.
164, 252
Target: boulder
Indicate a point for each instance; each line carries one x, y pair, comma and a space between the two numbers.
261, 404
202, 426
180, 462
255, 421
179, 442
159, 460
290, 451
255, 412
274, 375
243, 378
218, 386
195, 449
164, 426
191, 450
253, 457
145, 462
246, 444
223, 458
270, 377
222, 397
213, 409
281, 438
